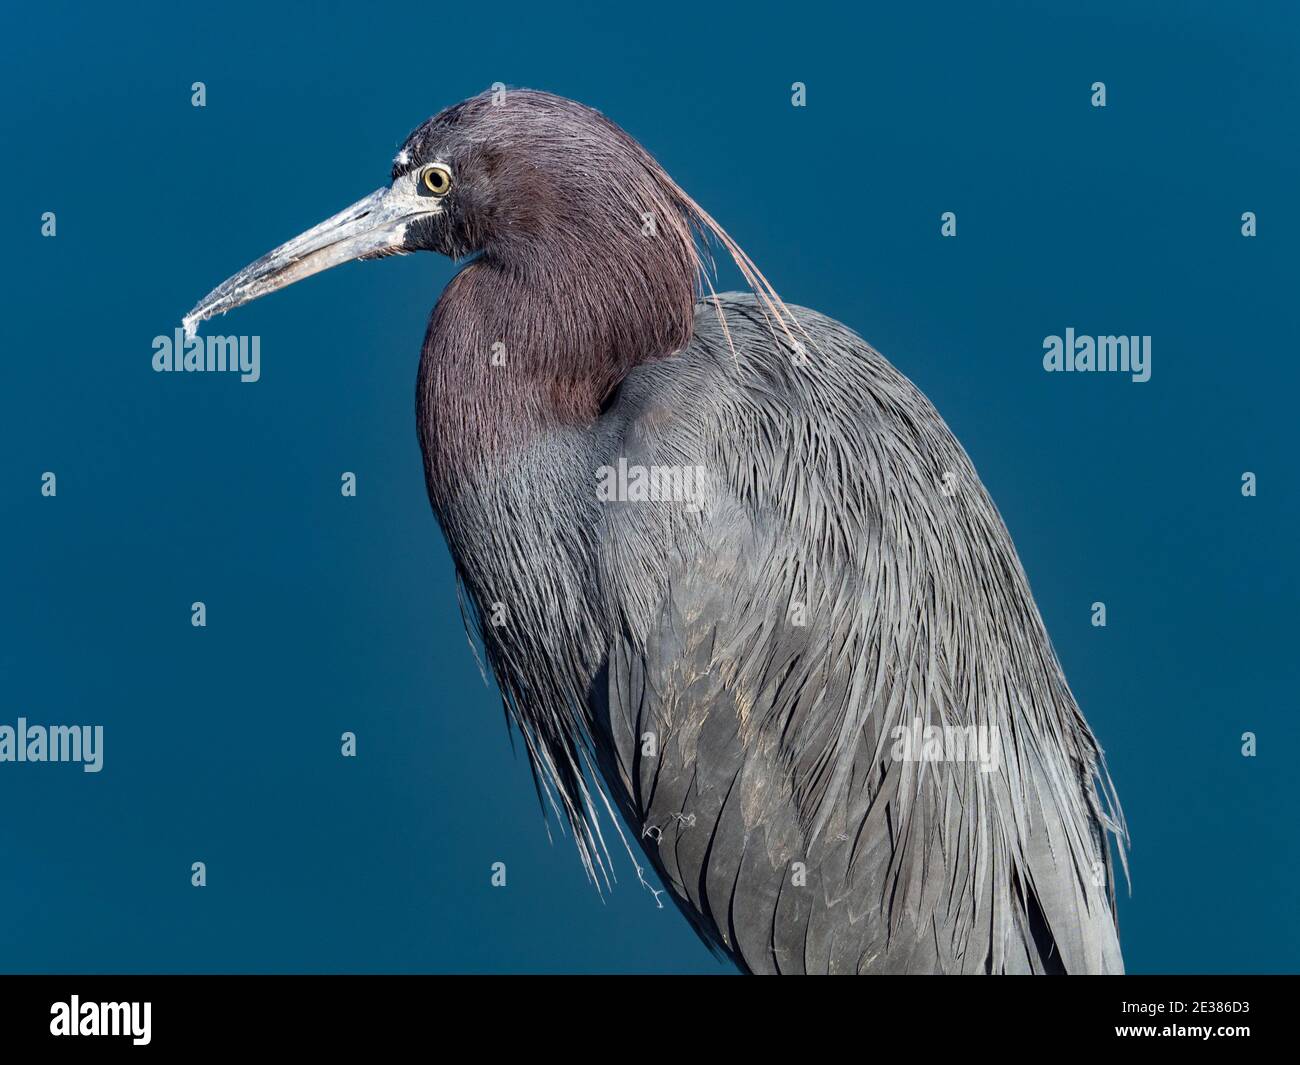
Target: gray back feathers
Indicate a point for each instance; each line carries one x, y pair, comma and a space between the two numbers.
847, 577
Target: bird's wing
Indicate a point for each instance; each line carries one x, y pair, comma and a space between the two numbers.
831, 709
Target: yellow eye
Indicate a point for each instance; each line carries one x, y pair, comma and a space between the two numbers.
437, 179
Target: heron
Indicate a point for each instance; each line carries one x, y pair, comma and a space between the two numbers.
815, 687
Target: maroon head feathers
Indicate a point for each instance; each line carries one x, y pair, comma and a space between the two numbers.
586, 260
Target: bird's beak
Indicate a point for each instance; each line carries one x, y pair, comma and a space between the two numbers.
371, 227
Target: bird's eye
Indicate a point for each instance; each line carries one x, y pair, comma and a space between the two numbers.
437, 179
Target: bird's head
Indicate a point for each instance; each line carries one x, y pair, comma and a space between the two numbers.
533, 182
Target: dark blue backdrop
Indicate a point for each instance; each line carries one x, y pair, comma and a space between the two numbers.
328, 614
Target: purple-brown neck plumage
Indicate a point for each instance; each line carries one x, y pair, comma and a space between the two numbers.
530, 337
587, 266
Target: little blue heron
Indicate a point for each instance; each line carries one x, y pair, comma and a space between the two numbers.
736, 579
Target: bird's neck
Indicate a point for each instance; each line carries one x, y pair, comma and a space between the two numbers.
512, 354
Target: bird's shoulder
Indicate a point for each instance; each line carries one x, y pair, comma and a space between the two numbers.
798, 430
741, 356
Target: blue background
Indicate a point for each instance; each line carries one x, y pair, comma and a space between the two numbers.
327, 614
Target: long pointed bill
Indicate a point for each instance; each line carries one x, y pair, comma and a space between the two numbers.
371, 227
